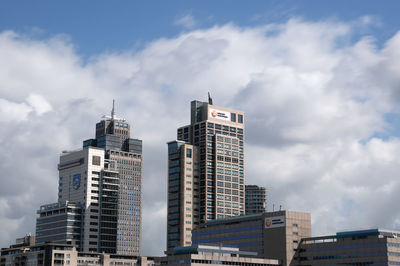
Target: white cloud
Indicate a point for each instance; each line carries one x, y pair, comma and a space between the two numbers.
314, 104
11, 111
187, 21
39, 104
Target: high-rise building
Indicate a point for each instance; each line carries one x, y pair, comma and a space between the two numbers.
105, 179
183, 187
255, 199
205, 171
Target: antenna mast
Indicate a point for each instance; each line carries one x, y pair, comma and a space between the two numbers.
112, 111
210, 101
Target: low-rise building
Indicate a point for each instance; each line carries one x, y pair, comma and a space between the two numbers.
364, 247
51, 254
212, 255
273, 235
60, 223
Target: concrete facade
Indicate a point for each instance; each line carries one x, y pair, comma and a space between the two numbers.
364, 247
273, 235
80, 173
183, 198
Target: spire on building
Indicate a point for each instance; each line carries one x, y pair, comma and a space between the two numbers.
113, 115
113, 111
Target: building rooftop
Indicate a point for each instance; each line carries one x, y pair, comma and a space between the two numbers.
233, 219
58, 205
211, 249
369, 232
353, 233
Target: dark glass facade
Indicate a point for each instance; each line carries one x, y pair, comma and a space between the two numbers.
255, 199
59, 223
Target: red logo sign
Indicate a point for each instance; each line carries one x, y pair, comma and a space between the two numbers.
267, 222
214, 113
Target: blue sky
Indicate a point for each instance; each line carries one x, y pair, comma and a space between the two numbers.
319, 82
98, 26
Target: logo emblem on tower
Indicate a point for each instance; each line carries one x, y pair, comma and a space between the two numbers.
76, 181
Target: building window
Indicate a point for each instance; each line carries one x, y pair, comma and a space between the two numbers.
188, 153
240, 119
233, 117
96, 160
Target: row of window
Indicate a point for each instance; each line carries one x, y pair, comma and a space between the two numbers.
229, 178
226, 197
228, 191
229, 172
366, 245
229, 153
227, 238
201, 262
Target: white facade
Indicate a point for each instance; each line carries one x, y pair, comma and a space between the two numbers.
79, 173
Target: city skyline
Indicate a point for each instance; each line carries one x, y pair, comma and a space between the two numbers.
320, 95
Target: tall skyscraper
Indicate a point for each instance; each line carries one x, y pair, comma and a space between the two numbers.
255, 199
205, 171
105, 180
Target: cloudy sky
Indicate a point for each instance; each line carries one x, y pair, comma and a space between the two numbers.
320, 86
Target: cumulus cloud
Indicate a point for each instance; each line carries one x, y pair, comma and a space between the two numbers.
315, 102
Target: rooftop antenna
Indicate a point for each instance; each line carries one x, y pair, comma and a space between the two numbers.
210, 101
112, 111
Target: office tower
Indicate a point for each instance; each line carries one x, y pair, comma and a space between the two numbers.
183, 187
86, 178
255, 199
105, 178
213, 188
273, 235
124, 155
